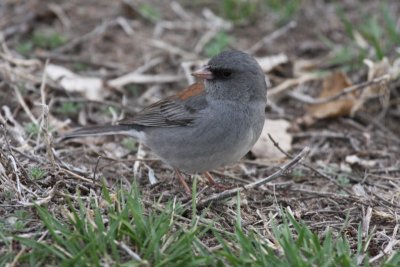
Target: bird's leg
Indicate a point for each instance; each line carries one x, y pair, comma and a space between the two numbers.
214, 183
183, 182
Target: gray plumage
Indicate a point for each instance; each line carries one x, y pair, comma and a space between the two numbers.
206, 126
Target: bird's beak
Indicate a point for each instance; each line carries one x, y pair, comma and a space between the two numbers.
203, 73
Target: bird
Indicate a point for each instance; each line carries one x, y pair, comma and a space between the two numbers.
212, 123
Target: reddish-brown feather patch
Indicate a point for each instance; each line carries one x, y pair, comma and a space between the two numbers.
192, 90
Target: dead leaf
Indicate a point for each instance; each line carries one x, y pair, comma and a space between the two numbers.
264, 148
333, 85
91, 87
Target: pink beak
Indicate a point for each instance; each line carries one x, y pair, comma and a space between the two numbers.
203, 73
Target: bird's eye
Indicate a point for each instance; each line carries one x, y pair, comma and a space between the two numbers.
226, 73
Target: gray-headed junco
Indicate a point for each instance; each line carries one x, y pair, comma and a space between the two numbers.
209, 124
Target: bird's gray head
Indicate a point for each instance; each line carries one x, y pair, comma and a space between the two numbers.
234, 75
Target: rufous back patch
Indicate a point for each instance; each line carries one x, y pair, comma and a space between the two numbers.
192, 90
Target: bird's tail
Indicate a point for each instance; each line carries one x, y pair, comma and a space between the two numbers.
101, 130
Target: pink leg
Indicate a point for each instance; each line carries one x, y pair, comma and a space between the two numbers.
183, 182
214, 183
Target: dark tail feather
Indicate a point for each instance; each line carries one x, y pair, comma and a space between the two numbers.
100, 130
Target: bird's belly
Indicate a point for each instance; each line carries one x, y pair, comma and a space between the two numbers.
212, 156
194, 151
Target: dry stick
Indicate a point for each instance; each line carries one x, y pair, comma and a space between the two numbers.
309, 100
205, 39
393, 241
384, 131
272, 36
171, 49
89, 181
23, 104
128, 250
24, 172
331, 196
94, 174
388, 203
61, 15
278, 90
20, 62
17, 257
103, 102
95, 169
45, 120
45, 200
85, 60
276, 144
96, 31
48, 138
138, 78
183, 14
229, 193
23, 250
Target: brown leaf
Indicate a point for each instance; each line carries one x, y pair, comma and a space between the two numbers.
333, 85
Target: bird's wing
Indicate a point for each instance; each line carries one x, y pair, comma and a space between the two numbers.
177, 110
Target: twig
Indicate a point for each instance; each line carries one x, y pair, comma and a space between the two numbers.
366, 221
60, 13
178, 9
71, 58
19, 61
325, 134
41, 201
393, 241
278, 90
232, 192
272, 36
383, 130
14, 166
24, 172
148, 65
44, 124
24, 105
136, 76
95, 169
97, 102
329, 195
172, 49
125, 26
276, 144
66, 171
128, 250
96, 31
309, 100
207, 37
143, 79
